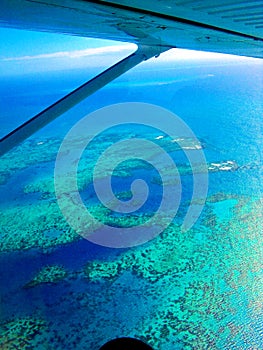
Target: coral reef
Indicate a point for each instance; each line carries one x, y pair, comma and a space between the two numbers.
48, 274
28, 153
108, 270
196, 289
25, 227
185, 290
194, 280
21, 333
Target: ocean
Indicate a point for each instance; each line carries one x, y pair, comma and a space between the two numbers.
199, 288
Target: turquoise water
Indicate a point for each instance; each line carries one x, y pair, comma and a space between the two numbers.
199, 289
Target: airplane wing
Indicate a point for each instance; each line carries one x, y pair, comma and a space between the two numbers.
226, 26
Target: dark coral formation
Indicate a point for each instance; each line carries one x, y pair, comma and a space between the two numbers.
48, 274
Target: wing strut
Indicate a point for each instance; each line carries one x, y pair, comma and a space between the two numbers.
61, 106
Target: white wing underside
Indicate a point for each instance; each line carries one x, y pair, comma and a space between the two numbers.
226, 26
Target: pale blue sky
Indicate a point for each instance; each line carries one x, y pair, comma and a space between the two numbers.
17, 42
28, 51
